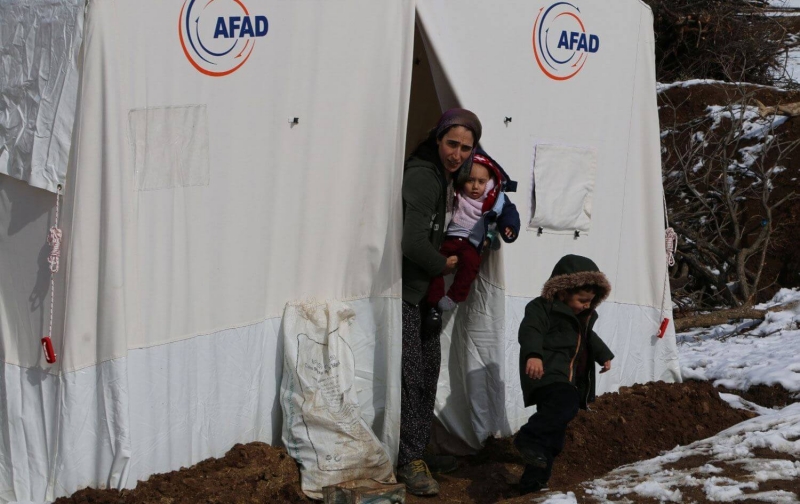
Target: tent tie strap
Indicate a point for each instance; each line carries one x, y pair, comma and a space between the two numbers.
54, 240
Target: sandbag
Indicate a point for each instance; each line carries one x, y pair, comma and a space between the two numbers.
322, 425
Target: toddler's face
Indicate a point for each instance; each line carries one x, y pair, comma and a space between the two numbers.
476, 183
580, 301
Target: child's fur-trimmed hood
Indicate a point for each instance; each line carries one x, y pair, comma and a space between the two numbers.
573, 271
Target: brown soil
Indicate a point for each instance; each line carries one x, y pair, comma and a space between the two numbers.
634, 424
251, 473
773, 396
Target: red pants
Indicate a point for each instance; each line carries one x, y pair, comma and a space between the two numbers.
469, 263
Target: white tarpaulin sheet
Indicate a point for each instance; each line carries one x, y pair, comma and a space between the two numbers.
174, 272
599, 101
39, 45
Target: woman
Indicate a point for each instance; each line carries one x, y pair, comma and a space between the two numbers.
427, 195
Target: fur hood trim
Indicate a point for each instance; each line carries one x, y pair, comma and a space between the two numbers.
559, 283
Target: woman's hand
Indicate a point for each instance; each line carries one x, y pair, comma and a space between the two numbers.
534, 368
606, 367
451, 265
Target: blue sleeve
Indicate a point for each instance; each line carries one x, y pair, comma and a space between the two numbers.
509, 217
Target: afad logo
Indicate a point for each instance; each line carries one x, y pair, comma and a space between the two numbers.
218, 36
561, 43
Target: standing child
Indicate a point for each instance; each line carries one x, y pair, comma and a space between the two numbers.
558, 349
482, 211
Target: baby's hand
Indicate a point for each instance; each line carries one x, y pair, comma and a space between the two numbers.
508, 232
534, 368
606, 367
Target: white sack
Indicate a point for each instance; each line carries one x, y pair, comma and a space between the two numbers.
322, 425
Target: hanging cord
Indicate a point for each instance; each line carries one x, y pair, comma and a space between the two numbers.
54, 240
670, 247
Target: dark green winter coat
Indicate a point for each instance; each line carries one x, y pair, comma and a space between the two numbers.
551, 332
424, 208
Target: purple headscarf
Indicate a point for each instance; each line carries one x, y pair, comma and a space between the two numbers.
459, 117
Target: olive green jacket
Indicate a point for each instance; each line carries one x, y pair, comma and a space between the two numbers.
424, 208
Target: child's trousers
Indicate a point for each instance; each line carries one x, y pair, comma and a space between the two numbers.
556, 405
469, 264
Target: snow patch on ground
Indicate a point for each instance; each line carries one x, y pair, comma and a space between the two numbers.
737, 356
663, 478
663, 86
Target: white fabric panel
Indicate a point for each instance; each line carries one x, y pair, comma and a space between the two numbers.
26, 214
563, 180
289, 212
39, 44
471, 394
170, 147
641, 263
598, 108
170, 406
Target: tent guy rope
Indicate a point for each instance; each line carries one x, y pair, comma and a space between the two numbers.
54, 240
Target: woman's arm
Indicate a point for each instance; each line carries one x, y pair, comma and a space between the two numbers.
421, 193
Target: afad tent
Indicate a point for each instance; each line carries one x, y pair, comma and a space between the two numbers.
220, 159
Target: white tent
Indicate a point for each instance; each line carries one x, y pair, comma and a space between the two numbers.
220, 159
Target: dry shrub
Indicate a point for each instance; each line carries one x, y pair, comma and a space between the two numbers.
728, 40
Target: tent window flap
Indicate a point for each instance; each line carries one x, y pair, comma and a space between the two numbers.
563, 183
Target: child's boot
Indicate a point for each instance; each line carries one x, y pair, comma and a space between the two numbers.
531, 481
531, 453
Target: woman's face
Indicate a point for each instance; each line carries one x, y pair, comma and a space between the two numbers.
454, 147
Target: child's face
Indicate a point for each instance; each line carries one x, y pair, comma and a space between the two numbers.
476, 183
580, 301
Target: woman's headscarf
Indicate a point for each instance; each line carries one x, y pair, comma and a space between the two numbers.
459, 117
467, 119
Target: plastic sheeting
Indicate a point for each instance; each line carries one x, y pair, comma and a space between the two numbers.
171, 406
168, 297
39, 45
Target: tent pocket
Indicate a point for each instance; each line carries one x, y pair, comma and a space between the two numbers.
563, 185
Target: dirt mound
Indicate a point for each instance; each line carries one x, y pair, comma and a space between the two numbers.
637, 423
634, 424
251, 473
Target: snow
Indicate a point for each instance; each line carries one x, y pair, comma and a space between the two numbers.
737, 463
752, 124
663, 86
784, 4
737, 356
790, 65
